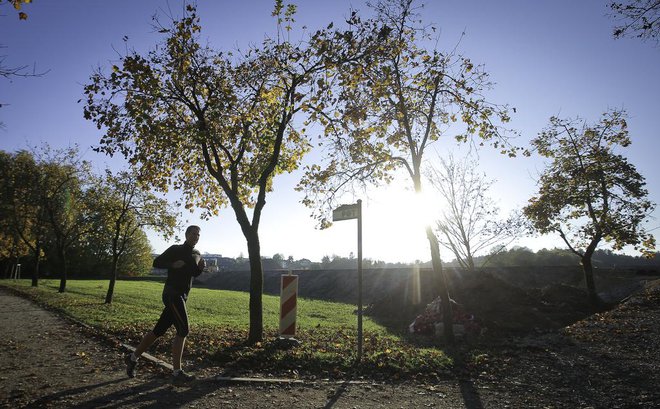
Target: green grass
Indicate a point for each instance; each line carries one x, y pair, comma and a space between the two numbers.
219, 323
140, 302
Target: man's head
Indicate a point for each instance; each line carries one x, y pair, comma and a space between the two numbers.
192, 235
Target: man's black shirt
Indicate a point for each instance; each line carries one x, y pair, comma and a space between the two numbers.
179, 279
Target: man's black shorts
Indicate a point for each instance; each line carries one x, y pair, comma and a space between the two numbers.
174, 313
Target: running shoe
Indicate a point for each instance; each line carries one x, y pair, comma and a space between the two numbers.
182, 378
130, 366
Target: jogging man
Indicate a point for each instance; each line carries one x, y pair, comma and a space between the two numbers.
183, 262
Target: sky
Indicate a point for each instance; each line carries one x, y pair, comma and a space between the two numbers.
546, 58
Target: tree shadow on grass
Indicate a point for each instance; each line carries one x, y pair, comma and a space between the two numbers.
470, 395
332, 401
469, 392
47, 401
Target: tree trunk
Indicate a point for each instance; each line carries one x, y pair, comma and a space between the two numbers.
470, 263
63, 271
442, 288
37, 261
256, 288
113, 279
587, 267
440, 281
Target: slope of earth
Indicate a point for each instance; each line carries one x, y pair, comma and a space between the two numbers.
608, 360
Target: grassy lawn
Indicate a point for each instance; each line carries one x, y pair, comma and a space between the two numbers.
219, 324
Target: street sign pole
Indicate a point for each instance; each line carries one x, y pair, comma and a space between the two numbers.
359, 238
347, 212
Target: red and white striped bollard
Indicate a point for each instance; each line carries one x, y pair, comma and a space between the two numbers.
288, 298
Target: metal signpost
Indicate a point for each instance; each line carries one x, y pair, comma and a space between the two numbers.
347, 212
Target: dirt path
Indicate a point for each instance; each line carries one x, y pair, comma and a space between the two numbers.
49, 362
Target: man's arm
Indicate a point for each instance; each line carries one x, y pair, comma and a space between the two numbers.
166, 259
200, 264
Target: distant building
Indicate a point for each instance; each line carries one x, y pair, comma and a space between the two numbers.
226, 263
211, 264
303, 264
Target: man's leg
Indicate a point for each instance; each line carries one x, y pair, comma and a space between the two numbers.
148, 339
131, 359
180, 317
177, 351
177, 307
163, 323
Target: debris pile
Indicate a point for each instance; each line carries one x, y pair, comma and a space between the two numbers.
430, 322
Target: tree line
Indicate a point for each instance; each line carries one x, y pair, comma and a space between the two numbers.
58, 218
516, 256
604, 259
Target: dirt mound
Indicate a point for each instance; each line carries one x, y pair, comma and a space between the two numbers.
500, 307
505, 308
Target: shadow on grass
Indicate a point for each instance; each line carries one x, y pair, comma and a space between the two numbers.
470, 395
331, 354
47, 401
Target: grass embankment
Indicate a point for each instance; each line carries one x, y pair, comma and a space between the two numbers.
219, 324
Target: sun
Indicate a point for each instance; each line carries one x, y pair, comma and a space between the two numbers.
425, 212
395, 221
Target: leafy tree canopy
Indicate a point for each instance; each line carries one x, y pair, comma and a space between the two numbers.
390, 106
18, 6
590, 192
185, 108
216, 126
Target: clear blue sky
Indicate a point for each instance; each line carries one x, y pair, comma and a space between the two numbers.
546, 57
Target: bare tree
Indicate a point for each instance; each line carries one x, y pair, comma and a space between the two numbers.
469, 221
637, 18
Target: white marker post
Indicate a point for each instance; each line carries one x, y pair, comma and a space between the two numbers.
347, 212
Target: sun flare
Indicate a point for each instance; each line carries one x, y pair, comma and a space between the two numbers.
396, 220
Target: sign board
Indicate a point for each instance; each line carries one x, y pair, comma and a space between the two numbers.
345, 212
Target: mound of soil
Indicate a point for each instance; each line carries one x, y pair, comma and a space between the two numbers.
499, 307
610, 359
505, 307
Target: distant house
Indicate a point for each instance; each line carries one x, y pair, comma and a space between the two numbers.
303, 264
211, 263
